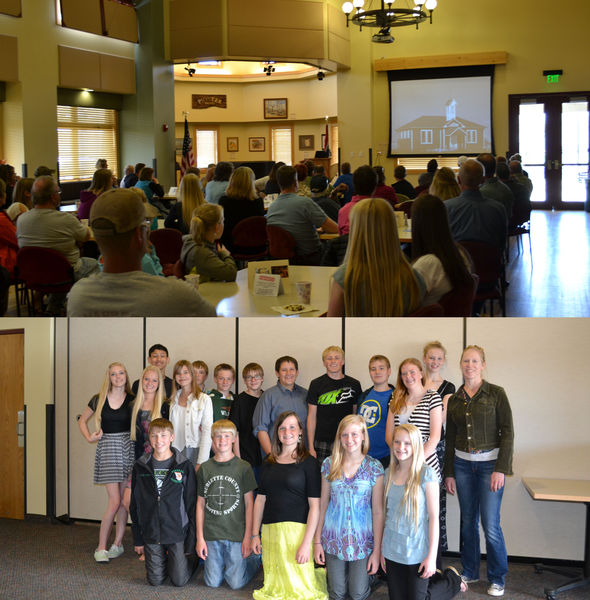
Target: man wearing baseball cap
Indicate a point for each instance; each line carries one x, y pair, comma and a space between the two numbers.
118, 221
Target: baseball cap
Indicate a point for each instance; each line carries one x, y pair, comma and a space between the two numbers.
318, 184
117, 211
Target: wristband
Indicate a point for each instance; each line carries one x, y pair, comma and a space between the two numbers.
317, 543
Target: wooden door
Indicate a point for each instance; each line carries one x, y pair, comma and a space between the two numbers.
12, 401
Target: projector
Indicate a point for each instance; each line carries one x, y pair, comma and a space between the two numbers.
383, 37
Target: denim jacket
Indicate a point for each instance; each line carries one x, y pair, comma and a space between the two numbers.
480, 424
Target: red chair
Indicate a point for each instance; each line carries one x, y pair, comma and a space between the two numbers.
406, 207
489, 265
432, 310
458, 302
281, 243
43, 270
249, 239
178, 270
168, 244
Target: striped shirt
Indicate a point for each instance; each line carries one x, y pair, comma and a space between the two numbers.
420, 417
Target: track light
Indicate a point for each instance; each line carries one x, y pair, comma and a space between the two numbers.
190, 70
268, 68
321, 75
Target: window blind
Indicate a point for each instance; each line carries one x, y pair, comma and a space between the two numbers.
282, 144
206, 149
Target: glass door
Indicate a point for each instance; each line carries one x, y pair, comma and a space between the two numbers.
551, 133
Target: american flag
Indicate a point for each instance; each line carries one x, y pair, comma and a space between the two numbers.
188, 159
326, 147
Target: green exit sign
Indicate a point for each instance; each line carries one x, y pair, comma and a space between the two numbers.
553, 78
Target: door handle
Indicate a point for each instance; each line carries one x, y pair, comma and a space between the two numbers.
20, 428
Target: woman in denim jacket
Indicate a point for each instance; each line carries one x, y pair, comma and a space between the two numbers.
479, 447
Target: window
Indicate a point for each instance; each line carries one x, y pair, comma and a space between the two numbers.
281, 143
334, 143
83, 136
471, 136
426, 136
206, 150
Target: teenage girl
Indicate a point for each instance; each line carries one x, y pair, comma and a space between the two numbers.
410, 538
434, 358
191, 413
111, 409
348, 536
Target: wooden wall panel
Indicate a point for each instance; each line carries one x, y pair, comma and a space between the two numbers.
120, 21
191, 34
338, 37
117, 74
84, 16
275, 43
9, 62
11, 7
273, 14
78, 68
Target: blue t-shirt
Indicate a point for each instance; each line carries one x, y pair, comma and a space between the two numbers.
402, 541
373, 408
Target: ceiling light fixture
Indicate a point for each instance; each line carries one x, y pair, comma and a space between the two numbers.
190, 70
268, 68
413, 13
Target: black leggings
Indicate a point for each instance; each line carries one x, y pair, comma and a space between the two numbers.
404, 583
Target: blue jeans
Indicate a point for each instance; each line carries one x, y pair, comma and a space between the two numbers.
224, 561
347, 579
475, 498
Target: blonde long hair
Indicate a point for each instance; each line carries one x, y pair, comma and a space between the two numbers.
205, 218
241, 184
105, 388
158, 399
400, 395
196, 390
409, 501
191, 196
336, 467
444, 184
377, 273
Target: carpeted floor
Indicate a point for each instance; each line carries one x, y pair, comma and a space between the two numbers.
42, 561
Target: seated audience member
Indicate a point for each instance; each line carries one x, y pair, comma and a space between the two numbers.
199, 248
501, 159
435, 255
302, 186
425, 179
239, 202
518, 158
335, 251
310, 167
461, 160
444, 184
521, 210
101, 163
272, 185
8, 175
163, 514
15, 210
472, 216
519, 175
152, 189
8, 241
102, 180
364, 181
343, 185
118, 221
300, 216
384, 191
209, 175
22, 192
320, 194
375, 279
130, 180
129, 172
217, 186
402, 185
46, 226
190, 197
491, 187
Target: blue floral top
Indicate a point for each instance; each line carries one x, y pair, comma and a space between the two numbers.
348, 526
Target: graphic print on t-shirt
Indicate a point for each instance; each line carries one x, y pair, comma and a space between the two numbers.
339, 396
160, 475
222, 495
370, 410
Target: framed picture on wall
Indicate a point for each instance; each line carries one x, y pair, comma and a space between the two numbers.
275, 108
256, 144
233, 144
306, 142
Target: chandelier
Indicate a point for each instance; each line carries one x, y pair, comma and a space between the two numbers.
414, 13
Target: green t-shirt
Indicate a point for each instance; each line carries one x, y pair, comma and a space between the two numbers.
221, 405
223, 485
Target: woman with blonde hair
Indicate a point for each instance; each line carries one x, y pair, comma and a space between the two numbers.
201, 251
190, 197
348, 536
110, 411
239, 202
375, 279
444, 184
102, 181
22, 192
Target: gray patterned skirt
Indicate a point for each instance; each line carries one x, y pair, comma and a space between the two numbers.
114, 458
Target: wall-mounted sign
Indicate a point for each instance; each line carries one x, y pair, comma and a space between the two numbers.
209, 100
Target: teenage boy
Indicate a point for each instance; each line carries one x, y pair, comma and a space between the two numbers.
374, 404
330, 398
225, 488
242, 411
201, 372
163, 493
157, 357
285, 395
222, 398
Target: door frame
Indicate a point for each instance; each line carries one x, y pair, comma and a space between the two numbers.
553, 144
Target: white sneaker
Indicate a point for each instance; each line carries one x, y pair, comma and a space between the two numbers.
115, 551
495, 589
101, 556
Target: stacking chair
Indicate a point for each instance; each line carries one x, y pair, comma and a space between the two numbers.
249, 239
519, 225
281, 244
432, 310
178, 269
458, 302
43, 270
168, 244
489, 265
406, 207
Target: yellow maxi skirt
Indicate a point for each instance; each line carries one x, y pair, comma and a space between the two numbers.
284, 578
